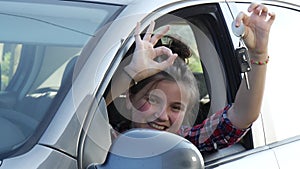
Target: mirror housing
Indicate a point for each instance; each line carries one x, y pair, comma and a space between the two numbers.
148, 149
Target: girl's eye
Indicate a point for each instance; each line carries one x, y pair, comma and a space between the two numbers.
177, 108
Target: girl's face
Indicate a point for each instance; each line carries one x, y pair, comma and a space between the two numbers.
160, 107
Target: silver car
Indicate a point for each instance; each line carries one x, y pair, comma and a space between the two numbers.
58, 58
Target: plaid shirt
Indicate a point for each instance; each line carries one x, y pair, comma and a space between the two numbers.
213, 133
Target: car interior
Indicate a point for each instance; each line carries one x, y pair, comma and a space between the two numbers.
25, 102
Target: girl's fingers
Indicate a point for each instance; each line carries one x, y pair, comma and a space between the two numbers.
166, 63
264, 11
159, 35
149, 32
258, 9
272, 17
252, 7
241, 17
162, 50
137, 36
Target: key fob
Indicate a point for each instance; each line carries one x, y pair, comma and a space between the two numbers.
243, 58
238, 31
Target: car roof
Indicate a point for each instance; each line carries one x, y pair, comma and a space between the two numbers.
158, 3
125, 2
288, 2
120, 2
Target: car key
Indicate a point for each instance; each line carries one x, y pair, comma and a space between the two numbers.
244, 62
241, 53
238, 31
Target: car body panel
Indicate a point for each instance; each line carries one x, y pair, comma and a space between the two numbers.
44, 157
287, 154
64, 141
263, 159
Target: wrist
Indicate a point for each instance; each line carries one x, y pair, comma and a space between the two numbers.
259, 56
260, 62
130, 72
135, 75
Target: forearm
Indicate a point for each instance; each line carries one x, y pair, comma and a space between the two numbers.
248, 103
119, 84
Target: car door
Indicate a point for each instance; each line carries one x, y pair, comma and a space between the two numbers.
280, 111
203, 27
275, 133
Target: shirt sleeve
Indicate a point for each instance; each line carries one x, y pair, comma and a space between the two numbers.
215, 132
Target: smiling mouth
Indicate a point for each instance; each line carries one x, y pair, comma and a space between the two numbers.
157, 127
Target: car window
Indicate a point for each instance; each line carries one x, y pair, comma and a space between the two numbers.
182, 31
280, 110
210, 43
9, 62
39, 46
282, 86
199, 33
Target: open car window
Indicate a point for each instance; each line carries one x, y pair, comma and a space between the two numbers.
205, 63
212, 63
120, 118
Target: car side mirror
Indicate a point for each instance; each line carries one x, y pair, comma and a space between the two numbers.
148, 149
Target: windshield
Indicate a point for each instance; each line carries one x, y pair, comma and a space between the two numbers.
39, 44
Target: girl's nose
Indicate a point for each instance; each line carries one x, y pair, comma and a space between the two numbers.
162, 115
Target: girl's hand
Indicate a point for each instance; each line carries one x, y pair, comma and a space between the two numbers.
257, 28
143, 64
